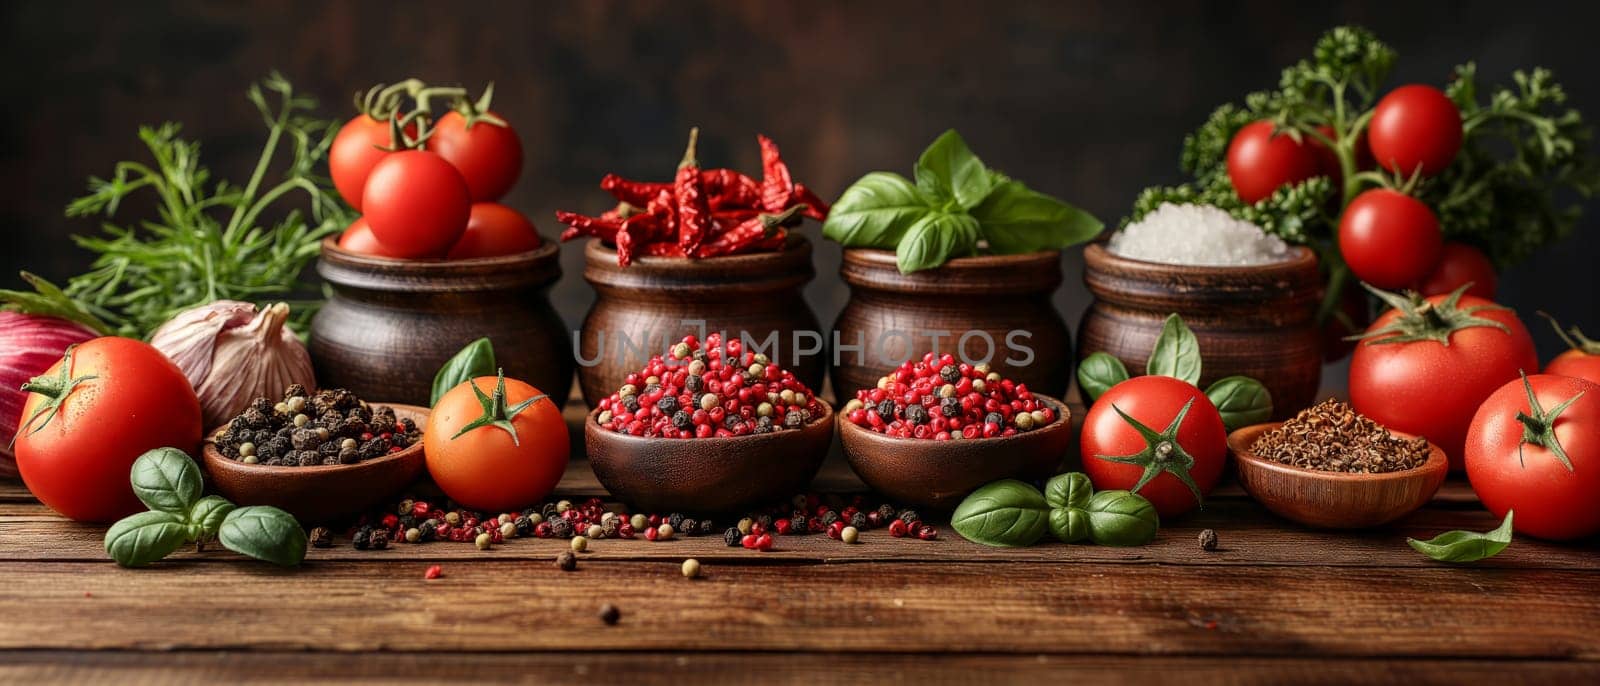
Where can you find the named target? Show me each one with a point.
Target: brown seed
(1208, 540)
(610, 614)
(566, 561)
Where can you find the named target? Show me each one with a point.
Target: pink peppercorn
(433, 572)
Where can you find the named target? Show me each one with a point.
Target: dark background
(1086, 101)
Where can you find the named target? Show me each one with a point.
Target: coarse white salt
(1198, 235)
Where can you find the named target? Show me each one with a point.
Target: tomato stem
(1540, 428)
(495, 411)
(1162, 452)
(55, 389)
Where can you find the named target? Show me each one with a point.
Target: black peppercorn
(667, 404)
(691, 527)
(523, 525)
(427, 530)
(609, 613)
(732, 421)
(732, 537)
(792, 419)
(682, 420)
(994, 418)
(676, 520)
(631, 402)
(1208, 540)
(886, 511)
(560, 528)
(379, 539)
(321, 537)
(950, 373)
(363, 538)
(765, 520)
(908, 516)
(693, 384)
(566, 561)
(549, 511)
(859, 520)
(798, 525)
(886, 409)
(707, 528)
(917, 414)
(829, 517)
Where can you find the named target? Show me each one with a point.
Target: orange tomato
(496, 444)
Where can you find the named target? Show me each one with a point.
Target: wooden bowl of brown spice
(1331, 468)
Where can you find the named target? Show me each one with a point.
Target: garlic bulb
(233, 354)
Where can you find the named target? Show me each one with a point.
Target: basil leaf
(875, 212)
(1121, 518)
(1177, 352)
(947, 170)
(473, 361)
(1466, 546)
(141, 539)
(1016, 219)
(264, 533)
(1069, 524)
(1006, 513)
(167, 480)
(1241, 400)
(206, 517)
(1071, 489)
(1098, 372)
(934, 239)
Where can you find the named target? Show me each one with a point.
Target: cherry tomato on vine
(488, 155)
(1460, 264)
(1389, 239)
(87, 419)
(1426, 365)
(494, 230)
(1413, 127)
(1261, 159)
(496, 444)
(358, 145)
(1160, 431)
(416, 204)
(358, 238)
(1581, 360)
(1534, 448)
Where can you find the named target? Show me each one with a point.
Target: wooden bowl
(323, 493)
(936, 475)
(707, 475)
(1334, 500)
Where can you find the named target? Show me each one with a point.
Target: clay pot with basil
(995, 306)
(1257, 321)
(641, 309)
(389, 324)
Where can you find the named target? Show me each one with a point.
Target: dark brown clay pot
(1334, 500)
(320, 494)
(707, 475)
(1255, 321)
(650, 301)
(390, 324)
(896, 316)
(938, 474)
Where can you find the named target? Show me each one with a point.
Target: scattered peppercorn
(321, 537)
(483, 541)
(566, 561)
(434, 572)
(691, 568)
(610, 614)
(732, 536)
(580, 544)
(849, 534)
(1208, 540)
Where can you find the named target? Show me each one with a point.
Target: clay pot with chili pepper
(389, 324)
(1255, 321)
(993, 308)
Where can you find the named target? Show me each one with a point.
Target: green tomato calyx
(1574, 337)
(55, 389)
(1162, 452)
(1421, 320)
(1540, 428)
(495, 411)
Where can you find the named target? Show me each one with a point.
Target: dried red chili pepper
(748, 233)
(623, 210)
(694, 214)
(660, 249)
(727, 189)
(777, 185)
(815, 207)
(581, 225)
(630, 191)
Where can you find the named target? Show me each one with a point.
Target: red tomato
(1389, 239)
(1581, 361)
(489, 468)
(1415, 126)
(416, 204)
(128, 399)
(1460, 264)
(1427, 388)
(1154, 401)
(488, 155)
(357, 147)
(358, 238)
(495, 230)
(1553, 497)
(1261, 160)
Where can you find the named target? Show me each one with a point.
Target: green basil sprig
(1241, 400)
(956, 207)
(1466, 546)
(1010, 513)
(473, 361)
(1006, 513)
(1121, 518)
(167, 481)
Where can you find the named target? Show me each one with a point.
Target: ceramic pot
(390, 323)
(641, 309)
(995, 306)
(1256, 321)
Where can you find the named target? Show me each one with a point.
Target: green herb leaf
(934, 240)
(1241, 400)
(1121, 518)
(1015, 219)
(143, 538)
(1099, 372)
(875, 212)
(47, 300)
(1006, 513)
(264, 533)
(206, 517)
(1069, 524)
(473, 361)
(948, 170)
(1071, 489)
(1466, 546)
(167, 480)
(1177, 352)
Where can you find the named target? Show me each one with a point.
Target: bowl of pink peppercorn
(708, 427)
(935, 429)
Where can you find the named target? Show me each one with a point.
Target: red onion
(29, 345)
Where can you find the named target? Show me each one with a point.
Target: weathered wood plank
(868, 607)
(712, 669)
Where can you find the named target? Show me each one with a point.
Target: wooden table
(1275, 603)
